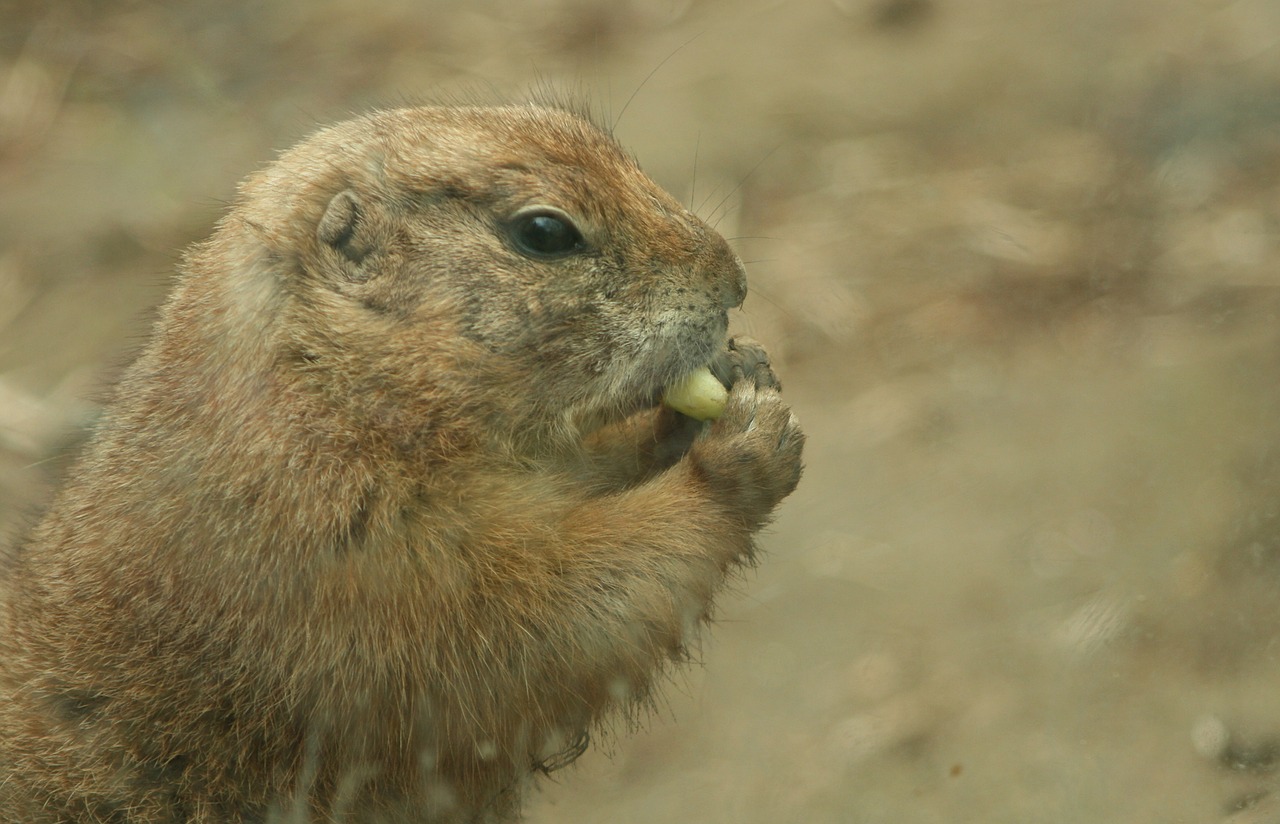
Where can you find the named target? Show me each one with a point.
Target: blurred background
(1017, 261)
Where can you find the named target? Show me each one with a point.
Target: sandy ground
(1018, 262)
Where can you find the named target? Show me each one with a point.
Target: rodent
(385, 517)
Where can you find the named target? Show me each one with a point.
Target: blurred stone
(889, 724)
(1094, 624)
(1210, 737)
(1002, 231)
(875, 676)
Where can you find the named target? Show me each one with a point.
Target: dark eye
(545, 233)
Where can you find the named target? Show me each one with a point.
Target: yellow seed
(699, 396)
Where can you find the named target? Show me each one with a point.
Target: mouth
(679, 386)
(687, 383)
(674, 371)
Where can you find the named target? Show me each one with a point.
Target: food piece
(700, 396)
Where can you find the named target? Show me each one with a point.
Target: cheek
(390, 296)
(497, 322)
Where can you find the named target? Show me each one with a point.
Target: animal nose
(734, 289)
(722, 269)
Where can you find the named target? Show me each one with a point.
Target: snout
(727, 275)
(734, 292)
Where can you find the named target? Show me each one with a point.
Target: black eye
(545, 233)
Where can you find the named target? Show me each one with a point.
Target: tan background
(1018, 262)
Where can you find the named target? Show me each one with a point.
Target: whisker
(741, 183)
(703, 204)
(755, 291)
(649, 76)
(693, 179)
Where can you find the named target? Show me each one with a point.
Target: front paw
(751, 457)
(744, 359)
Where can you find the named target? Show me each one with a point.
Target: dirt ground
(1017, 261)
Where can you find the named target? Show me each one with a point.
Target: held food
(700, 396)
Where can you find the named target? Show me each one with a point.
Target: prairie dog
(385, 516)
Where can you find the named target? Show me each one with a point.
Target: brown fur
(384, 518)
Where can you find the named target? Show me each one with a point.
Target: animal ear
(341, 229)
